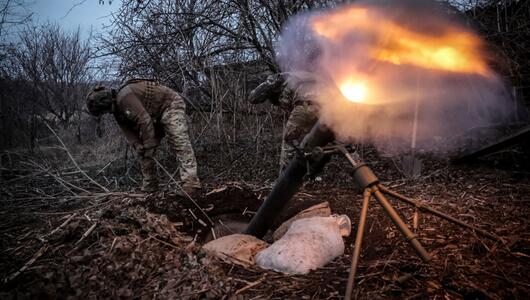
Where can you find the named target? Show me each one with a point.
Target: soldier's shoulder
(126, 96)
(134, 81)
(122, 92)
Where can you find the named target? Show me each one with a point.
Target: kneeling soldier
(146, 111)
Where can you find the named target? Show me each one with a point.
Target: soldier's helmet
(270, 90)
(99, 101)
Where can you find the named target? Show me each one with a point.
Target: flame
(384, 40)
(354, 91)
(393, 73)
(453, 52)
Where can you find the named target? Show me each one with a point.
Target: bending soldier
(146, 111)
(303, 113)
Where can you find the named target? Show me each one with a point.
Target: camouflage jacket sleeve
(134, 114)
(268, 90)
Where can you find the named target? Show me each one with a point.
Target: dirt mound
(122, 256)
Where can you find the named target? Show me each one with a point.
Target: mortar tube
(290, 181)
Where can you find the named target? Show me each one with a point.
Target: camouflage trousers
(300, 122)
(175, 126)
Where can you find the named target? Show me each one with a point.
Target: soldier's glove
(150, 153)
(139, 148)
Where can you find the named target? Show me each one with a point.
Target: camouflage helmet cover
(99, 100)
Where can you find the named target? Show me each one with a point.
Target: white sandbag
(319, 210)
(310, 243)
(236, 248)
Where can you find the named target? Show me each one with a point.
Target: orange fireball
(385, 40)
(354, 91)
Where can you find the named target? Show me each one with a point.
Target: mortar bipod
(366, 179)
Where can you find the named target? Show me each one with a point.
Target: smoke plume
(391, 72)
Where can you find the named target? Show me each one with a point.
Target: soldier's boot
(191, 186)
(150, 177)
(189, 189)
(149, 186)
(190, 182)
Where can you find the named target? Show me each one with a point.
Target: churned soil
(77, 241)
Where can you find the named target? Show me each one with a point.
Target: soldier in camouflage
(146, 111)
(301, 119)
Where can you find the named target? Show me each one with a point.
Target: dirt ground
(69, 239)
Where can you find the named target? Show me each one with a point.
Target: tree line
(211, 51)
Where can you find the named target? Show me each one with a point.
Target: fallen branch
(29, 263)
(60, 226)
(73, 160)
(105, 167)
(64, 183)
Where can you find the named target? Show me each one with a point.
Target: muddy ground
(62, 237)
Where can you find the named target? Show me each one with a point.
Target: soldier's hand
(139, 148)
(149, 152)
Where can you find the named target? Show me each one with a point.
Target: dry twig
(87, 233)
(250, 285)
(29, 263)
(73, 160)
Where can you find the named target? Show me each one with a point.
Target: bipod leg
(358, 243)
(400, 224)
(438, 213)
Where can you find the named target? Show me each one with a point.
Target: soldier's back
(153, 96)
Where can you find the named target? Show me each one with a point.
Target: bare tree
(47, 76)
(222, 48)
(210, 51)
(56, 63)
(179, 41)
(12, 13)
